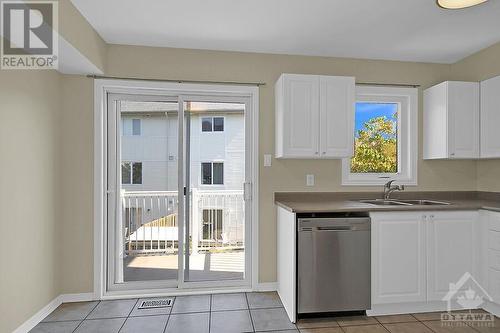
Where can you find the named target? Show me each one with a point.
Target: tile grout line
(430, 328)
(249, 312)
(169, 315)
(383, 326)
(210, 314)
(130, 312)
(88, 314)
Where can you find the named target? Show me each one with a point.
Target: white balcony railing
(149, 221)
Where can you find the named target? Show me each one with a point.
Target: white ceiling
(408, 30)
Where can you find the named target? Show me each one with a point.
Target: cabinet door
(463, 119)
(453, 251)
(494, 285)
(337, 98)
(398, 258)
(300, 116)
(436, 122)
(490, 118)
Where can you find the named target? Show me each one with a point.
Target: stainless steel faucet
(389, 188)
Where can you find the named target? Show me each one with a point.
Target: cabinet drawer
(494, 259)
(494, 240)
(494, 219)
(494, 285)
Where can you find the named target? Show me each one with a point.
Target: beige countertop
(330, 202)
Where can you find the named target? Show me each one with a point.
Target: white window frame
(407, 99)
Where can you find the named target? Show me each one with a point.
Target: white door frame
(103, 87)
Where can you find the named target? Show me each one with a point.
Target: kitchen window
(212, 124)
(132, 173)
(385, 137)
(212, 173)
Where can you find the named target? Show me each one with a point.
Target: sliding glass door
(176, 175)
(144, 194)
(215, 174)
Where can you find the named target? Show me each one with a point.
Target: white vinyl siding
(156, 148)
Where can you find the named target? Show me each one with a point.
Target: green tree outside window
(376, 147)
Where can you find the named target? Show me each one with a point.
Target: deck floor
(203, 267)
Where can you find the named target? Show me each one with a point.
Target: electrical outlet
(309, 180)
(267, 160)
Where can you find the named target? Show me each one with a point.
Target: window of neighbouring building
(212, 124)
(212, 224)
(212, 173)
(132, 173)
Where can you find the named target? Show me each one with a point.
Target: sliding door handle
(247, 191)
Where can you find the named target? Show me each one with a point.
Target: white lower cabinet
(491, 250)
(453, 250)
(416, 255)
(494, 285)
(398, 258)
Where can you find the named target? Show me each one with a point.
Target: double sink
(397, 202)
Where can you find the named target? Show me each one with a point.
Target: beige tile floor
(407, 323)
(231, 313)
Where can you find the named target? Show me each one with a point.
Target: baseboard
(47, 309)
(404, 308)
(83, 297)
(39, 316)
(266, 286)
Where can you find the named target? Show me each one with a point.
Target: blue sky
(366, 111)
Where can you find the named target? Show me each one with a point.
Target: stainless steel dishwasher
(334, 264)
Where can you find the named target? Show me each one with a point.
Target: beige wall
(76, 208)
(480, 66)
(29, 181)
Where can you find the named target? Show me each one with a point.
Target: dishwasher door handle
(335, 228)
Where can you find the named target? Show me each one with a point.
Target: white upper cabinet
(451, 121)
(337, 101)
(297, 116)
(490, 118)
(314, 116)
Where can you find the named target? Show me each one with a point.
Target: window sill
(378, 182)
